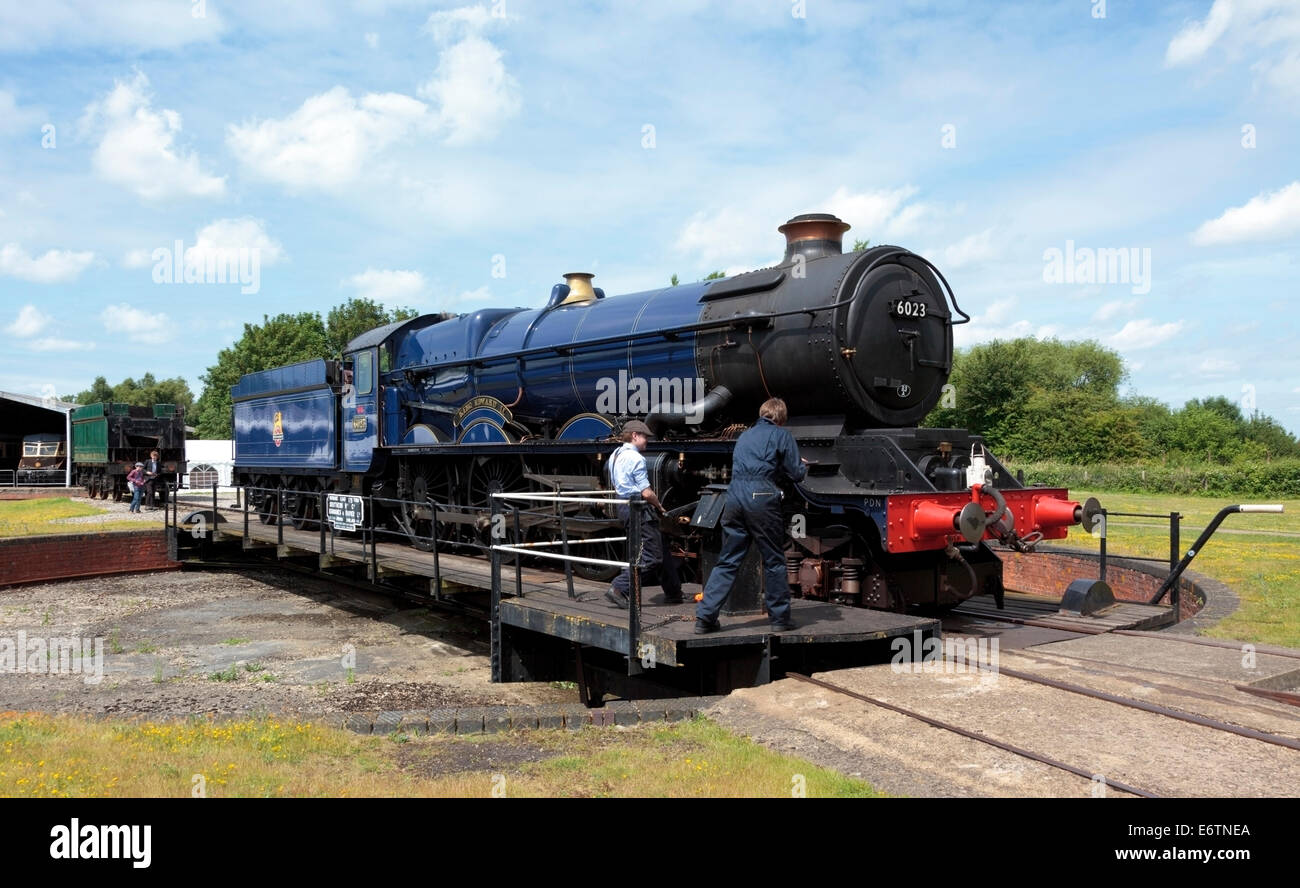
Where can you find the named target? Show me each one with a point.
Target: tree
(991, 381)
(715, 275)
(346, 322)
(99, 392)
(859, 245)
(146, 392)
(673, 281)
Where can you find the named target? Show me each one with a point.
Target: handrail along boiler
(442, 410)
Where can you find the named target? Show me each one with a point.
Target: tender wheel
(300, 507)
(268, 505)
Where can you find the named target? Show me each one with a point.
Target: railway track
(1200, 721)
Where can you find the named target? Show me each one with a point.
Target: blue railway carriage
(436, 413)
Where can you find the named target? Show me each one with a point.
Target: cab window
(365, 378)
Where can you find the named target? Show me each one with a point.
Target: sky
(450, 156)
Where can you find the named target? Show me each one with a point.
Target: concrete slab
(1241, 665)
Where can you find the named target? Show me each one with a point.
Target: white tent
(209, 461)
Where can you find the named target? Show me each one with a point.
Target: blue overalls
(764, 454)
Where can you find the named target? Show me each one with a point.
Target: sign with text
(345, 512)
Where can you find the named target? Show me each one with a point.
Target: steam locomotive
(108, 439)
(436, 413)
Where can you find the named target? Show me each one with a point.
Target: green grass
(65, 755)
(38, 517)
(1261, 566)
(229, 674)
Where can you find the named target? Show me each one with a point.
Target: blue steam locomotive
(436, 413)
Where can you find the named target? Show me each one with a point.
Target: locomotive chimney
(813, 235)
(580, 289)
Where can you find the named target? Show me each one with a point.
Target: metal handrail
(631, 564)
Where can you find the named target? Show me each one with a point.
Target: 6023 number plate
(907, 308)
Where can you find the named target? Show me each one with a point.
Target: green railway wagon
(108, 439)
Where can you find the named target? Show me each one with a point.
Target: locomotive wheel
(433, 490)
(103, 488)
(119, 493)
(488, 475)
(606, 551)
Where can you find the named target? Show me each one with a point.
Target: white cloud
(717, 239)
(137, 259)
(970, 250)
(30, 321)
(733, 236)
(1144, 333)
(333, 137)
(467, 300)
(137, 146)
(449, 24)
(13, 118)
(144, 24)
(220, 242)
(1265, 33)
(875, 213)
(1218, 366)
(388, 287)
(51, 344)
(328, 141)
(55, 267)
(1000, 311)
(1192, 42)
(473, 92)
(1270, 216)
(136, 324)
(1114, 309)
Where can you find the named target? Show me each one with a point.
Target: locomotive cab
(44, 459)
(360, 406)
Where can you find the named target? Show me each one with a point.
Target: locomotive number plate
(907, 308)
(359, 424)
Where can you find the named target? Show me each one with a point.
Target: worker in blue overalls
(627, 472)
(765, 455)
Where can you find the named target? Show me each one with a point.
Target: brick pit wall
(1048, 573)
(74, 556)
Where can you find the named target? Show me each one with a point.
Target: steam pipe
(705, 408)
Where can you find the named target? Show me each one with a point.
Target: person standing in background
(152, 469)
(135, 478)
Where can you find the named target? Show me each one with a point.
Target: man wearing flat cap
(627, 472)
